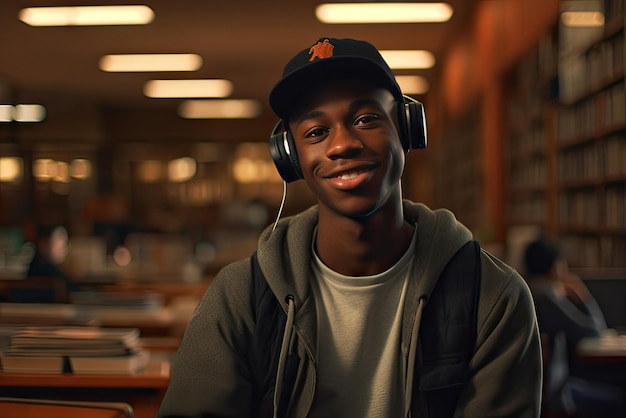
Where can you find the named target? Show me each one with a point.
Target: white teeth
(348, 176)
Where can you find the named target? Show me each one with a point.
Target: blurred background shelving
(565, 138)
(526, 119)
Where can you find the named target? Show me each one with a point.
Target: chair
(37, 408)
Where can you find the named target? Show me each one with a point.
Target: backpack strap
(265, 347)
(448, 332)
(265, 344)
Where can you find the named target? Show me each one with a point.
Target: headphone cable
(282, 205)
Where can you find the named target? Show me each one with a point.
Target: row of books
(532, 209)
(594, 161)
(593, 209)
(531, 173)
(600, 113)
(459, 170)
(530, 140)
(615, 208)
(605, 61)
(529, 135)
(78, 350)
(595, 252)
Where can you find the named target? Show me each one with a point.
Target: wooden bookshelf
(530, 131)
(566, 152)
(459, 170)
(591, 149)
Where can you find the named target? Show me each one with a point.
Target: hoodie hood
(440, 236)
(285, 253)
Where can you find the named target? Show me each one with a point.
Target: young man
(351, 276)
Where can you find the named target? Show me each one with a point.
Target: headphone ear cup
(283, 151)
(414, 129)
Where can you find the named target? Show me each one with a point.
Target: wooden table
(169, 290)
(609, 347)
(143, 391)
(602, 359)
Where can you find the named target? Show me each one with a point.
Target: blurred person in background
(567, 312)
(51, 250)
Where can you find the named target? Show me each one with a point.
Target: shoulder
(502, 290)
(228, 294)
(232, 279)
(224, 314)
(499, 274)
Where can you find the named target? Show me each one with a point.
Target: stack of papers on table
(74, 350)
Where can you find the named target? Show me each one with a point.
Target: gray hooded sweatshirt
(211, 375)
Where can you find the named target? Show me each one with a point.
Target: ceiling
(245, 41)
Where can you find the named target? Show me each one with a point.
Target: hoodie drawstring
(284, 351)
(410, 374)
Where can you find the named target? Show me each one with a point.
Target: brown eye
(316, 132)
(366, 119)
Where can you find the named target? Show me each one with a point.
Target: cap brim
(288, 91)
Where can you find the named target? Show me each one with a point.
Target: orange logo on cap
(321, 50)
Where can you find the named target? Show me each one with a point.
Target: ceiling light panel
(219, 109)
(383, 12)
(22, 113)
(6, 113)
(87, 15)
(29, 113)
(188, 88)
(402, 60)
(412, 84)
(150, 62)
(583, 19)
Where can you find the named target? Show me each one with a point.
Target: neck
(366, 246)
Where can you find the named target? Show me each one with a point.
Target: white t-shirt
(360, 369)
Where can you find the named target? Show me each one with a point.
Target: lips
(352, 174)
(345, 172)
(351, 179)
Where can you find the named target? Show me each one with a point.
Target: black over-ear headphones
(411, 122)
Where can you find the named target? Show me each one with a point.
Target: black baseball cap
(329, 58)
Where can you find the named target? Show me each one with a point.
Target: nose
(343, 143)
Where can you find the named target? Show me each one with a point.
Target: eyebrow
(357, 104)
(308, 116)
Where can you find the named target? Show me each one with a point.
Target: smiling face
(349, 148)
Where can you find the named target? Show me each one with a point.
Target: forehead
(323, 92)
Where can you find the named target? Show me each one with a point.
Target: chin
(361, 211)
